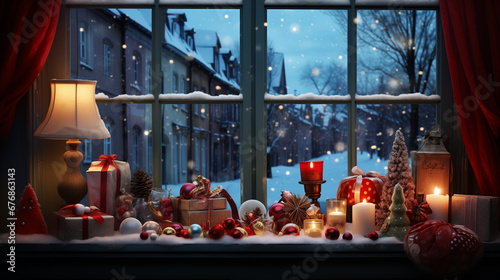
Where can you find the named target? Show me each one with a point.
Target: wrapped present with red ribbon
(198, 204)
(361, 186)
(477, 212)
(70, 223)
(104, 180)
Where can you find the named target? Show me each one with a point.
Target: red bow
(106, 161)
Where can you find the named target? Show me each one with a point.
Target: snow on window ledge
(402, 98)
(306, 98)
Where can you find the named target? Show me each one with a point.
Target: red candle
(311, 170)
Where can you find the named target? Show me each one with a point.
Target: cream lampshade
(72, 115)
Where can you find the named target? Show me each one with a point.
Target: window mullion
(351, 85)
(156, 88)
(253, 112)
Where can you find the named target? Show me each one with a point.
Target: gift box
(104, 180)
(477, 212)
(361, 186)
(188, 217)
(196, 211)
(67, 226)
(198, 204)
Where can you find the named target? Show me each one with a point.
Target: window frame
(252, 15)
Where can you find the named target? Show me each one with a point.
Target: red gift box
(361, 186)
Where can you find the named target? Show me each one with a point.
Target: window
(197, 162)
(175, 83)
(87, 151)
(136, 62)
(106, 61)
(136, 134)
(150, 153)
(107, 142)
(85, 46)
(149, 78)
(336, 125)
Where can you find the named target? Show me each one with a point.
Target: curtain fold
(27, 32)
(472, 37)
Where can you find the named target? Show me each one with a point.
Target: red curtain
(27, 30)
(472, 36)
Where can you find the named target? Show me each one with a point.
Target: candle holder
(313, 190)
(313, 227)
(336, 213)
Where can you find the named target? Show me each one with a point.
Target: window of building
(85, 45)
(136, 140)
(87, 151)
(149, 78)
(107, 142)
(106, 61)
(136, 62)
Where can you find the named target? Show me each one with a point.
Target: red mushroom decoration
(443, 249)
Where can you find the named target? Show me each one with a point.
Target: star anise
(296, 209)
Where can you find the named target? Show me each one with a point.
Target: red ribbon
(68, 211)
(106, 161)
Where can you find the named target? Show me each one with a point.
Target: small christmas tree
(398, 171)
(29, 217)
(397, 224)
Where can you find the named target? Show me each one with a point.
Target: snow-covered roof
(206, 38)
(140, 16)
(277, 64)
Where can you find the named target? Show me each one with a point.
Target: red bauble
(290, 230)
(187, 190)
(276, 210)
(251, 217)
(373, 235)
(185, 234)
(347, 236)
(216, 232)
(249, 230)
(443, 249)
(236, 234)
(144, 235)
(332, 233)
(229, 224)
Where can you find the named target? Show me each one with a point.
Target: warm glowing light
(270, 68)
(81, 29)
(146, 133)
(437, 190)
(420, 73)
(311, 164)
(124, 46)
(373, 147)
(171, 61)
(364, 200)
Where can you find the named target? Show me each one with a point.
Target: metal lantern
(431, 165)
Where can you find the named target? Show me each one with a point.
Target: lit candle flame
(311, 164)
(437, 191)
(364, 200)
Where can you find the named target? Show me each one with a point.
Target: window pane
(100, 52)
(303, 132)
(195, 145)
(130, 129)
(377, 125)
(306, 52)
(396, 52)
(201, 51)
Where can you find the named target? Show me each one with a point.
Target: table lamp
(72, 115)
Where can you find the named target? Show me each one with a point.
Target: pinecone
(141, 184)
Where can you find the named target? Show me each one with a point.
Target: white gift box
(103, 184)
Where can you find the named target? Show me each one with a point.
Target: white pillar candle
(363, 218)
(439, 206)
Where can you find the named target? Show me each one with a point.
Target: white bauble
(79, 209)
(130, 226)
(250, 205)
